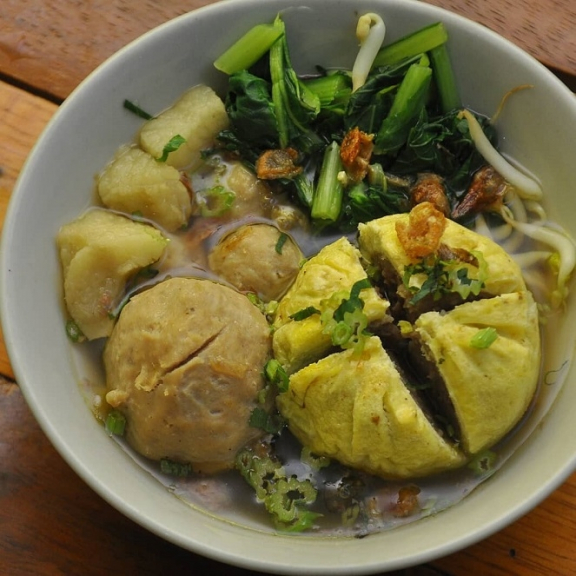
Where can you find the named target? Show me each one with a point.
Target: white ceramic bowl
(538, 129)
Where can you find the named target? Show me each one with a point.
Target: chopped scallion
(173, 144)
(73, 331)
(115, 423)
(280, 243)
(304, 313)
(484, 338)
(215, 201)
(135, 109)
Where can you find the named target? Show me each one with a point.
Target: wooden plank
(47, 45)
(52, 522)
(23, 117)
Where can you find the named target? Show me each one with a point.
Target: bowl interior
(56, 185)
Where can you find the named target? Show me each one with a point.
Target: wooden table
(51, 523)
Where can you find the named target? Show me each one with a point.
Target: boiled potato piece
(490, 388)
(134, 182)
(99, 252)
(379, 243)
(197, 116)
(359, 412)
(335, 268)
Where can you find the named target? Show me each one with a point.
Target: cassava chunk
(360, 412)
(99, 252)
(134, 182)
(197, 116)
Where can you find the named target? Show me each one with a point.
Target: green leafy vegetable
(264, 420)
(407, 107)
(174, 143)
(327, 201)
(484, 338)
(418, 42)
(443, 277)
(248, 49)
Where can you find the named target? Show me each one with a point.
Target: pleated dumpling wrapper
(489, 385)
(336, 268)
(358, 411)
(380, 244)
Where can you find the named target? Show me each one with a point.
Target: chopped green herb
(172, 468)
(280, 243)
(443, 277)
(304, 313)
(73, 331)
(343, 318)
(173, 145)
(134, 108)
(286, 499)
(215, 201)
(315, 462)
(483, 463)
(275, 374)
(115, 423)
(484, 338)
(262, 419)
(267, 308)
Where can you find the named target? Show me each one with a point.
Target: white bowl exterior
(56, 185)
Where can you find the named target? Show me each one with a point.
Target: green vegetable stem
(327, 201)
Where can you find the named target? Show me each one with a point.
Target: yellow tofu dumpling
(359, 412)
(380, 244)
(490, 385)
(337, 267)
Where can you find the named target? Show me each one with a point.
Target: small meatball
(430, 188)
(252, 196)
(184, 364)
(257, 258)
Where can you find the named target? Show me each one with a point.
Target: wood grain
(52, 524)
(51, 45)
(23, 117)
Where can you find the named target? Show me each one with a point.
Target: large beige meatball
(184, 364)
(257, 258)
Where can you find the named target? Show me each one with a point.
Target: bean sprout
(370, 32)
(527, 187)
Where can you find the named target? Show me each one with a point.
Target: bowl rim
(265, 563)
